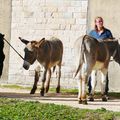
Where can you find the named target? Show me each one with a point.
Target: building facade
(33, 20)
(65, 19)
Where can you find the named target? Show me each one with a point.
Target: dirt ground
(61, 99)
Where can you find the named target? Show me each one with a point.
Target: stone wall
(5, 28)
(34, 19)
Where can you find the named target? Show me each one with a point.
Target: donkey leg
(103, 84)
(36, 79)
(1, 68)
(1, 62)
(59, 75)
(84, 73)
(84, 93)
(48, 81)
(80, 90)
(43, 82)
(93, 85)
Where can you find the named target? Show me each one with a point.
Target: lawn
(12, 109)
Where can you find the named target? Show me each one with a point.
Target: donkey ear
(38, 44)
(24, 41)
(43, 39)
(3, 35)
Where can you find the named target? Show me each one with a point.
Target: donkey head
(31, 51)
(116, 54)
(114, 48)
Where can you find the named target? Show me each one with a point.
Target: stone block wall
(35, 19)
(5, 28)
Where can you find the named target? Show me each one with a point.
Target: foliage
(11, 109)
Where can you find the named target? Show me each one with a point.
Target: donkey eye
(30, 52)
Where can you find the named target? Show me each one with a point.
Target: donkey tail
(81, 56)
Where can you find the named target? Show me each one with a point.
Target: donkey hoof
(42, 92)
(46, 90)
(84, 102)
(32, 92)
(58, 90)
(104, 99)
(79, 101)
(91, 99)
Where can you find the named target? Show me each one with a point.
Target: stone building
(35, 19)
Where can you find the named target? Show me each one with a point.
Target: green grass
(114, 94)
(11, 109)
(63, 90)
(14, 86)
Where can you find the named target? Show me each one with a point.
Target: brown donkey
(49, 54)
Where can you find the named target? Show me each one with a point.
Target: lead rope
(13, 48)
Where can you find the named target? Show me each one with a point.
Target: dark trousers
(106, 87)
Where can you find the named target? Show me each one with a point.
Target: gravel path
(60, 99)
